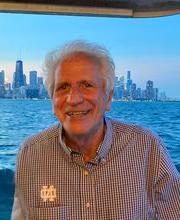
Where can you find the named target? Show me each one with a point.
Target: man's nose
(74, 97)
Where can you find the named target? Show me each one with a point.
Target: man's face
(79, 96)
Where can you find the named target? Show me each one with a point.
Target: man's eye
(86, 85)
(62, 87)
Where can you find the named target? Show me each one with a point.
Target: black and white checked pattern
(131, 178)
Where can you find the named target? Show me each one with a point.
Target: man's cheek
(57, 110)
(57, 99)
(57, 102)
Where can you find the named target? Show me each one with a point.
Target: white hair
(94, 51)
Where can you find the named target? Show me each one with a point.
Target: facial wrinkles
(73, 103)
(85, 101)
(78, 105)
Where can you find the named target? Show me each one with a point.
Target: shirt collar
(103, 149)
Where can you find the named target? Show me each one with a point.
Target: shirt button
(88, 205)
(86, 173)
(103, 160)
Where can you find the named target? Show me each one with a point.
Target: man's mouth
(77, 113)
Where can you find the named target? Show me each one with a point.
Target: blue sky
(150, 48)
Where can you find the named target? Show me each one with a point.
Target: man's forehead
(79, 68)
(77, 63)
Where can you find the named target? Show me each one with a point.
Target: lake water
(22, 118)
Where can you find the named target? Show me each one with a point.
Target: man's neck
(86, 145)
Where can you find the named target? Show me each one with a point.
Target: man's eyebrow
(87, 81)
(61, 83)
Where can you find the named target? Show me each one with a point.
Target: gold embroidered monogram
(48, 194)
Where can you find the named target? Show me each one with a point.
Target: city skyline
(124, 89)
(19, 88)
(147, 47)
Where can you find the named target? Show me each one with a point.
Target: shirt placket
(87, 190)
(88, 201)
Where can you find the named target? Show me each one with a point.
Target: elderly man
(89, 167)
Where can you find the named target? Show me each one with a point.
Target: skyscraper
(129, 82)
(33, 79)
(2, 77)
(18, 77)
(156, 94)
(2, 88)
(149, 90)
(119, 88)
(39, 81)
(133, 91)
(128, 75)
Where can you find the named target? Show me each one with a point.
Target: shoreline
(114, 100)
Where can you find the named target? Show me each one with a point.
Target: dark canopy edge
(84, 10)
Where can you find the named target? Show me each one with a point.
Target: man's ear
(109, 100)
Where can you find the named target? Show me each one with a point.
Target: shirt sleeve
(167, 188)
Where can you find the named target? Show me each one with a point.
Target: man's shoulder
(124, 128)
(41, 138)
(135, 138)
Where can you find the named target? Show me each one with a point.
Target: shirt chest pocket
(47, 213)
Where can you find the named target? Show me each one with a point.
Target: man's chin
(77, 131)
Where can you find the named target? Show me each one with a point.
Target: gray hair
(98, 53)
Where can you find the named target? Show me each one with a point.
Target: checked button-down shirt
(131, 178)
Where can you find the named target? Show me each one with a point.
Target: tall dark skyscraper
(2, 77)
(128, 75)
(33, 79)
(18, 77)
(149, 90)
(2, 88)
(129, 82)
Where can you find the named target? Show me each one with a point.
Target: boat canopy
(117, 8)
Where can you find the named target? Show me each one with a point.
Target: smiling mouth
(77, 113)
